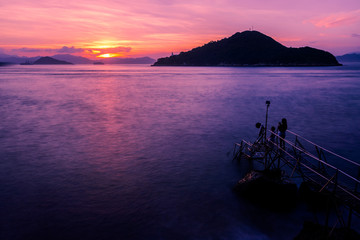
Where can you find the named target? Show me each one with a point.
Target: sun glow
(109, 55)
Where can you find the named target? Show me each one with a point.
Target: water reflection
(141, 152)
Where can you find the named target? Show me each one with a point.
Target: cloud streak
(156, 26)
(338, 19)
(64, 49)
(91, 52)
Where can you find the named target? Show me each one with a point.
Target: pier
(334, 177)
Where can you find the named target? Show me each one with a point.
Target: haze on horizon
(155, 28)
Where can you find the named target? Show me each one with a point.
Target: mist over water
(139, 152)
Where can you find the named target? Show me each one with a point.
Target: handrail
(304, 165)
(317, 159)
(238, 144)
(337, 155)
(302, 150)
(304, 161)
(312, 170)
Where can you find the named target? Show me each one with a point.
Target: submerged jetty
(328, 182)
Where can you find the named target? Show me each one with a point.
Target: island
(49, 60)
(350, 57)
(249, 48)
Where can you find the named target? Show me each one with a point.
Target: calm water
(139, 152)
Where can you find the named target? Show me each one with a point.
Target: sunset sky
(155, 28)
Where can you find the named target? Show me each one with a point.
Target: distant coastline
(350, 57)
(13, 59)
(6, 60)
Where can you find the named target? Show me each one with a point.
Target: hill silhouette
(76, 59)
(50, 60)
(141, 60)
(72, 59)
(249, 48)
(350, 57)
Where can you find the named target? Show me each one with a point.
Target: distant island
(13, 59)
(350, 57)
(249, 48)
(49, 60)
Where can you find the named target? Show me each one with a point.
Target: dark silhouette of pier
(324, 172)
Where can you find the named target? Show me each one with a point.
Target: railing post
(266, 120)
(238, 151)
(319, 156)
(358, 178)
(355, 191)
(336, 180)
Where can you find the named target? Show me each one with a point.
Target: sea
(139, 152)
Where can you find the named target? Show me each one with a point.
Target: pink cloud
(29, 50)
(338, 19)
(71, 50)
(64, 49)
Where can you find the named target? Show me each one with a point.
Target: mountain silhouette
(76, 59)
(72, 59)
(141, 60)
(249, 48)
(350, 57)
(50, 60)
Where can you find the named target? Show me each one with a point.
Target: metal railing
(308, 159)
